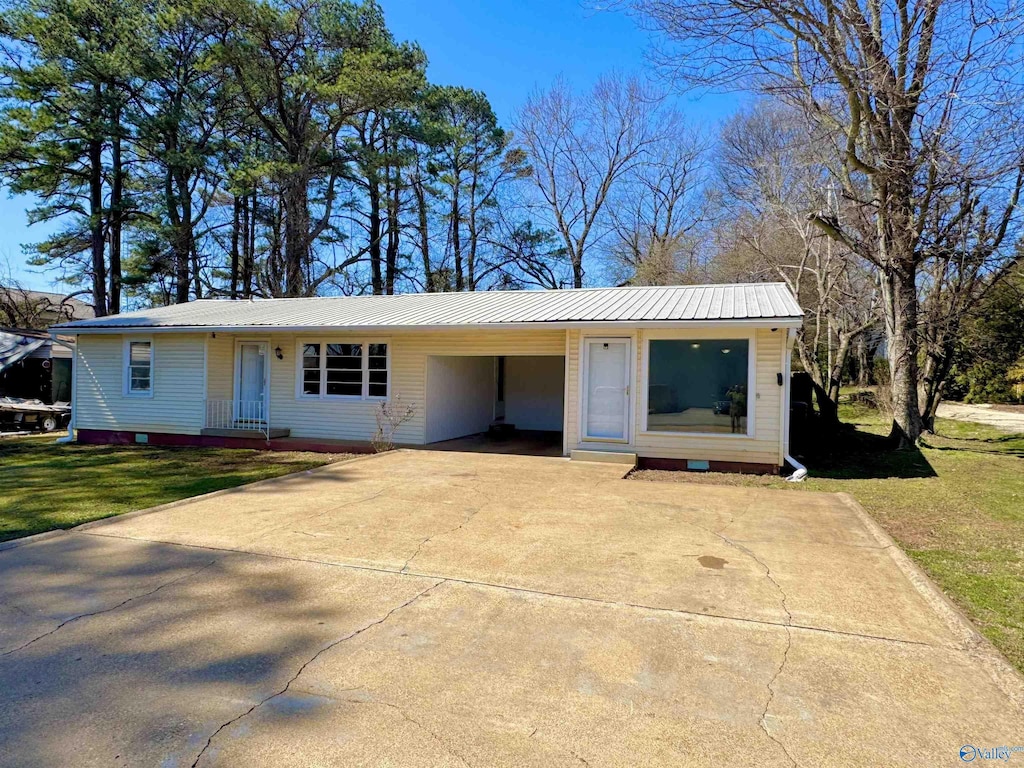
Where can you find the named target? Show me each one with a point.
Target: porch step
(607, 457)
(214, 432)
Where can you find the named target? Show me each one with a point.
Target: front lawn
(45, 486)
(956, 507)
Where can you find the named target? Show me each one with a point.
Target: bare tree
(921, 96)
(34, 310)
(580, 145)
(657, 209)
(772, 174)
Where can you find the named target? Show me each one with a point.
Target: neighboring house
(38, 310)
(34, 365)
(695, 373)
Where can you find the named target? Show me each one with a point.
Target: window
(138, 368)
(343, 369)
(698, 385)
(311, 369)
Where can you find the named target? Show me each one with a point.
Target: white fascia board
(611, 325)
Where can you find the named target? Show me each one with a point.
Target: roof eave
(753, 322)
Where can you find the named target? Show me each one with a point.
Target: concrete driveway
(982, 414)
(446, 609)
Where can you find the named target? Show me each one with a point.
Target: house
(34, 365)
(39, 310)
(689, 375)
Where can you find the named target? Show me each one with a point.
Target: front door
(251, 400)
(606, 389)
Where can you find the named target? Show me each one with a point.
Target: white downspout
(70, 436)
(799, 470)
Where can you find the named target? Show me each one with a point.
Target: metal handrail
(239, 414)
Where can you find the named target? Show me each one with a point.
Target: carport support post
(565, 394)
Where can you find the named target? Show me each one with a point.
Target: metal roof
(15, 346)
(739, 303)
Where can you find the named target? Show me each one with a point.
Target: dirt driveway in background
(455, 609)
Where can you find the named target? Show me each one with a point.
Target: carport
(506, 397)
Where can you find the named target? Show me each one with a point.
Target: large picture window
(343, 369)
(698, 385)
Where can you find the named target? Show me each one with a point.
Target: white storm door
(606, 389)
(250, 405)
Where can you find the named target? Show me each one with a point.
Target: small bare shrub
(390, 414)
(883, 400)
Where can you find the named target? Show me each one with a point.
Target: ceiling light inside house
(726, 351)
(695, 346)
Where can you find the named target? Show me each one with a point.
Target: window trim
(749, 336)
(323, 341)
(126, 366)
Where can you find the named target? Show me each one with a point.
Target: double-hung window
(138, 368)
(334, 369)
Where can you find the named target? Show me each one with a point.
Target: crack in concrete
(763, 720)
(470, 516)
(405, 716)
(107, 610)
(309, 661)
(436, 737)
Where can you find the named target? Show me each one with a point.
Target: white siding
(177, 401)
(533, 392)
(459, 396)
(763, 448)
(354, 419)
(179, 389)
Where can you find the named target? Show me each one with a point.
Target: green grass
(956, 507)
(44, 486)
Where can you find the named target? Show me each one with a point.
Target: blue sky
(504, 49)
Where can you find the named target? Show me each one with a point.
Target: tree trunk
(577, 269)
(295, 199)
(900, 308)
(236, 222)
(97, 244)
(181, 255)
(391, 267)
(116, 218)
(835, 378)
(460, 280)
(249, 252)
(863, 362)
(936, 372)
(374, 246)
(423, 229)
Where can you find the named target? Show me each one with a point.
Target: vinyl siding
(177, 402)
(355, 419)
(763, 448)
(177, 405)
